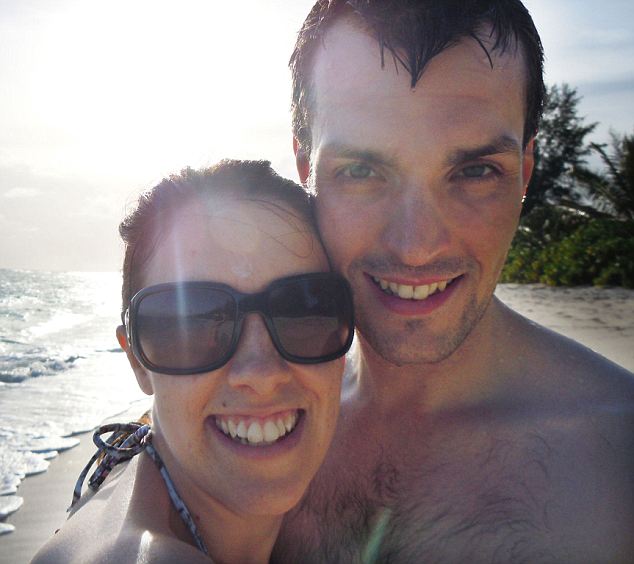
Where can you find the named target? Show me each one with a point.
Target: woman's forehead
(236, 241)
(246, 226)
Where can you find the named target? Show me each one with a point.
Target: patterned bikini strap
(131, 437)
(125, 442)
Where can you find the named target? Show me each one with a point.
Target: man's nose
(417, 230)
(256, 365)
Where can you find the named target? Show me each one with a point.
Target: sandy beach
(46, 497)
(600, 318)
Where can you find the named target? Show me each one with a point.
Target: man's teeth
(257, 433)
(411, 292)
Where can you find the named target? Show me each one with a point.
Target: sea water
(62, 371)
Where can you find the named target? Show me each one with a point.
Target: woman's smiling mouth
(258, 431)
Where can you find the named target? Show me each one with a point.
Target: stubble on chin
(416, 342)
(412, 341)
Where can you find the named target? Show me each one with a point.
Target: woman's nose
(257, 364)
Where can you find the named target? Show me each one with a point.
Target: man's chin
(416, 343)
(400, 352)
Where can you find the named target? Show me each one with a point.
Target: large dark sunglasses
(194, 327)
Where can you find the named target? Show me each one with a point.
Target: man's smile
(412, 292)
(414, 299)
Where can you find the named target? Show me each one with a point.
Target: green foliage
(560, 151)
(577, 225)
(597, 251)
(544, 226)
(548, 224)
(613, 192)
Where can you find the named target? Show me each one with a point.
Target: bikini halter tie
(125, 442)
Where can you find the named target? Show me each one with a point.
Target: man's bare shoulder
(562, 362)
(569, 388)
(581, 407)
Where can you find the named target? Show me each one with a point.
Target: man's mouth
(258, 431)
(407, 292)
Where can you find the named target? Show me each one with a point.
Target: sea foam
(61, 370)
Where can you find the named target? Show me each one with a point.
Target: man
(467, 433)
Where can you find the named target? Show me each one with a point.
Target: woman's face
(246, 245)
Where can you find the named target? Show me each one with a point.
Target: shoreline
(48, 495)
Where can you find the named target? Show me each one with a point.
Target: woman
(236, 326)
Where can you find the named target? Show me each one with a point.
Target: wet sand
(47, 495)
(600, 318)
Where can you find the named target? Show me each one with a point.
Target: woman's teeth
(412, 292)
(260, 432)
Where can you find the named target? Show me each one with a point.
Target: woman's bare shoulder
(97, 517)
(125, 521)
(129, 546)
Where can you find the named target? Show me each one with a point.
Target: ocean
(62, 371)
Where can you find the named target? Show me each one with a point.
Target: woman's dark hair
(415, 31)
(253, 180)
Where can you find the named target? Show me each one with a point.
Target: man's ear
(142, 377)
(302, 161)
(528, 163)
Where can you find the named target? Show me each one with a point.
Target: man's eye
(358, 171)
(477, 171)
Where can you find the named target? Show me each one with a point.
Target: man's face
(419, 191)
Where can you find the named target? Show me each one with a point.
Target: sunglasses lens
(312, 317)
(183, 329)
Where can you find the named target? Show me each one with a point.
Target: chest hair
(482, 502)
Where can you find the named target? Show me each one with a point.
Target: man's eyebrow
(499, 145)
(368, 156)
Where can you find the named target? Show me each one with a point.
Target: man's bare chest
(483, 502)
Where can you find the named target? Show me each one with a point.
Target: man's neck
(467, 377)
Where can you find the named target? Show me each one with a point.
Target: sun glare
(157, 85)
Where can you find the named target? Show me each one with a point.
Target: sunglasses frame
(245, 303)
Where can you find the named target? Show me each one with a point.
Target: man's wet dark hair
(415, 31)
(151, 218)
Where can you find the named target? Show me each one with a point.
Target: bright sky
(99, 100)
